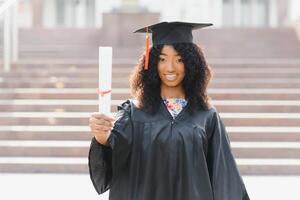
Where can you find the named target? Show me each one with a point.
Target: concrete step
(79, 165)
(83, 152)
(224, 96)
(81, 118)
(93, 95)
(44, 168)
(73, 135)
(124, 93)
(261, 119)
(126, 71)
(244, 91)
(270, 42)
(125, 76)
(51, 108)
(235, 131)
(128, 63)
(60, 84)
(123, 83)
(44, 148)
(50, 135)
(51, 65)
(264, 136)
(115, 102)
(253, 84)
(269, 166)
(265, 108)
(82, 105)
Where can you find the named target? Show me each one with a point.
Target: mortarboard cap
(172, 32)
(169, 33)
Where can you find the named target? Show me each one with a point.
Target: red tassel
(102, 93)
(147, 51)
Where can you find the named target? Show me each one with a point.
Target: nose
(170, 66)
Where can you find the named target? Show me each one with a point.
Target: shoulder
(213, 111)
(212, 116)
(132, 110)
(127, 107)
(128, 103)
(123, 111)
(203, 117)
(209, 113)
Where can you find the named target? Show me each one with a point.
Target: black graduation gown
(156, 157)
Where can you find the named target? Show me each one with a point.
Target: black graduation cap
(172, 32)
(169, 33)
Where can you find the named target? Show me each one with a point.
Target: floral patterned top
(175, 105)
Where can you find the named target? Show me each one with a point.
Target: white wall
(25, 14)
(294, 10)
(171, 10)
(49, 13)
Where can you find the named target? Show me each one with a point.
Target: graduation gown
(156, 157)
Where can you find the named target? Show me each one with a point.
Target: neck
(172, 92)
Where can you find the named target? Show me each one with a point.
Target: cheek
(159, 70)
(182, 71)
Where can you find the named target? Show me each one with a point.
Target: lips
(171, 77)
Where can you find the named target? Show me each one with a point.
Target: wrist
(102, 141)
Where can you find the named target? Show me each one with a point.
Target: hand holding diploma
(102, 122)
(101, 126)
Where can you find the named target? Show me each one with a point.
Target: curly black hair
(145, 84)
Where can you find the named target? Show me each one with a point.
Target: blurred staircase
(45, 105)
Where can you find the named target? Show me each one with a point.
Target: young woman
(168, 143)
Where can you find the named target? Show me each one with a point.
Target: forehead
(168, 50)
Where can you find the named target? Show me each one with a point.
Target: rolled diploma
(105, 76)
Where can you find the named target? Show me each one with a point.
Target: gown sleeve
(100, 166)
(106, 162)
(226, 181)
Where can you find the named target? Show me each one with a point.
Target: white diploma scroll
(105, 76)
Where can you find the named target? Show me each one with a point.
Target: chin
(172, 83)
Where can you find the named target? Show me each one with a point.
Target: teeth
(171, 77)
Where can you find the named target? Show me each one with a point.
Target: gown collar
(165, 112)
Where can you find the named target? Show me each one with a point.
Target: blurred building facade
(223, 13)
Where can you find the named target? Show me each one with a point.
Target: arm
(226, 181)
(100, 166)
(106, 163)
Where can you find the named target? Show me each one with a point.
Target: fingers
(102, 122)
(101, 119)
(100, 128)
(101, 134)
(102, 116)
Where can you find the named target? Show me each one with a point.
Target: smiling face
(171, 71)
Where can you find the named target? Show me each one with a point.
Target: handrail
(10, 36)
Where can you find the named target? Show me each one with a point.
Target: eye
(161, 59)
(180, 60)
